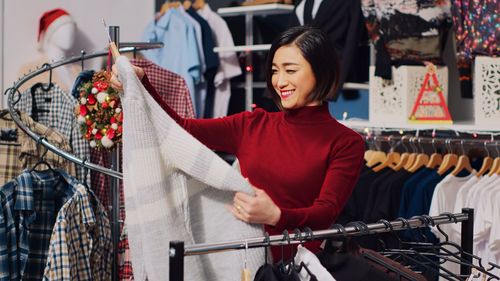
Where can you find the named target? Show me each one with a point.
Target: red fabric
(173, 91)
(304, 159)
(47, 18)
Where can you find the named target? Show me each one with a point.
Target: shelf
(457, 126)
(244, 48)
(258, 10)
(347, 86)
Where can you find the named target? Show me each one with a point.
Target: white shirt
(313, 264)
(443, 200)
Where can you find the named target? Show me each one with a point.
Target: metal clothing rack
(178, 250)
(124, 47)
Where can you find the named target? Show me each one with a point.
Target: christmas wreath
(99, 112)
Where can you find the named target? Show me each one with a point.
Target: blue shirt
(29, 206)
(180, 52)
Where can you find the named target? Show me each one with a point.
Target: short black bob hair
(320, 54)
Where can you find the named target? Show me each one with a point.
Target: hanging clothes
(80, 245)
(342, 23)
(191, 211)
(29, 206)
(55, 109)
(406, 32)
(443, 200)
(23, 152)
(173, 91)
(476, 33)
(229, 65)
(211, 60)
(180, 52)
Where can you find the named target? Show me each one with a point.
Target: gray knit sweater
(176, 189)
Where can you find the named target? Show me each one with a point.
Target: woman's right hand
(115, 83)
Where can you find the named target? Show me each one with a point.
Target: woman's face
(292, 77)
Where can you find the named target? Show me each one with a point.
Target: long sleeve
(223, 134)
(341, 176)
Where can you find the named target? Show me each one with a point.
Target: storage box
(486, 83)
(391, 101)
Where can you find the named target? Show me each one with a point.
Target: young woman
(302, 163)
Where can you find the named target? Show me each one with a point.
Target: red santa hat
(51, 21)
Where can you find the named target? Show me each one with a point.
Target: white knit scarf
(176, 189)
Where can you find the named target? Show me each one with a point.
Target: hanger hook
(375, 143)
(419, 140)
(47, 65)
(82, 59)
(403, 142)
(434, 145)
(448, 146)
(412, 145)
(486, 148)
(462, 146)
(246, 250)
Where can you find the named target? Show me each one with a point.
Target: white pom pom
(94, 91)
(101, 97)
(81, 119)
(114, 126)
(83, 101)
(94, 131)
(118, 110)
(106, 142)
(93, 143)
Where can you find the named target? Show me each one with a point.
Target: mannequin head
(56, 31)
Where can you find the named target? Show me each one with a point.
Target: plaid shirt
(29, 207)
(81, 246)
(60, 116)
(15, 156)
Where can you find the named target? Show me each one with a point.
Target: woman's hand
(258, 209)
(115, 83)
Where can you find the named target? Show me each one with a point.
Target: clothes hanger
(246, 275)
(445, 252)
(421, 160)
(487, 162)
(436, 159)
(49, 85)
(377, 156)
(449, 160)
(41, 159)
(302, 265)
(462, 163)
(198, 4)
(82, 59)
(405, 156)
(413, 155)
(392, 159)
(495, 169)
(187, 4)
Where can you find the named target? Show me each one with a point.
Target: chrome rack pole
(114, 33)
(467, 240)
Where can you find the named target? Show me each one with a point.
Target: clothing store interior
(260, 140)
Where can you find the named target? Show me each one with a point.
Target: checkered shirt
(24, 153)
(81, 246)
(60, 116)
(29, 208)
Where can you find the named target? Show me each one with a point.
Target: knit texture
(176, 189)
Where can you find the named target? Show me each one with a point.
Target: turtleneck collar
(309, 114)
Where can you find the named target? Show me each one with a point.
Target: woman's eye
(291, 71)
(274, 71)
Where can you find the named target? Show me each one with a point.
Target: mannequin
(56, 37)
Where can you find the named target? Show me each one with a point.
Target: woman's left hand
(259, 209)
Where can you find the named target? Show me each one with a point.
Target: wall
(20, 26)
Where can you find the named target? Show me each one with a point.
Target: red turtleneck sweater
(304, 159)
